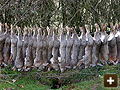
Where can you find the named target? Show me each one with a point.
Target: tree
(59, 12)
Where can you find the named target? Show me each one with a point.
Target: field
(90, 79)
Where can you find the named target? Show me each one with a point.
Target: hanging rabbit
(2, 41)
(56, 43)
(7, 46)
(82, 48)
(104, 45)
(14, 41)
(63, 44)
(118, 44)
(34, 42)
(50, 42)
(68, 46)
(38, 61)
(25, 41)
(19, 57)
(45, 48)
(87, 58)
(29, 55)
(75, 52)
(112, 46)
(96, 46)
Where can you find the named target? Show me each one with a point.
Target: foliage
(59, 12)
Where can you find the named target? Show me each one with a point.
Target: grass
(86, 79)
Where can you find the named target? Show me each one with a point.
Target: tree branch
(4, 4)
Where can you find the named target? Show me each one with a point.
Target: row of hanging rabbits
(41, 51)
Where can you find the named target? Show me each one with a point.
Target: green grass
(86, 79)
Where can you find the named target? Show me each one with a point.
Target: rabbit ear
(97, 27)
(73, 28)
(87, 28)
(12, 26)
(64, 29)
(6, 25)
(101, 26)
(82, 29)
(105, 25)
(12, 29)
(0, 24)
(29, 30)
(48, 29)
(116, 25)
(68, 29)
(54, 30)
(37, 27)
(33, 28)
(25, 28)
(39, 30)
(17, 28)
(111, 25)
(44, 30)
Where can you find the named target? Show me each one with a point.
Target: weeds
(71, 79)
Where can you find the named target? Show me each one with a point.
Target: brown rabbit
(2, 41)
(25, 41)
(7, 46)
(38, 61)
(88, 49)
(29, 56)
(14, 40)
(45, 48)
(50, 42)
(82, 47)
(68, 46)
(63, 44)
(104, 45)
(56, 43)
(96, 46)
(34, 42)
(76, 45)
(112, 46)
(118, 44)
(19, 57)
